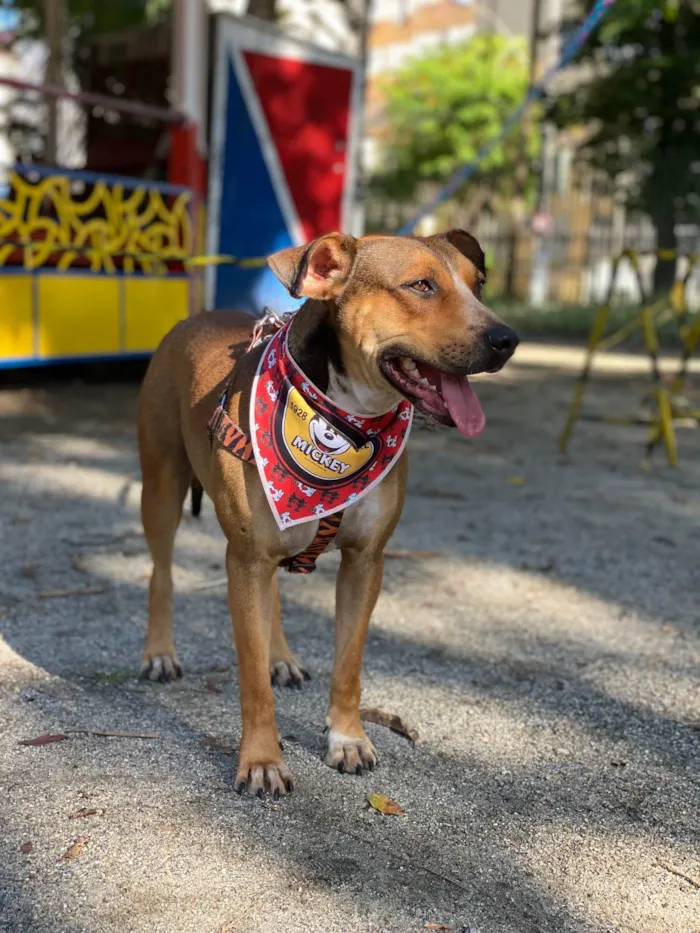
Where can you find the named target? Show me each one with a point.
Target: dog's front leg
(252, 602)
(357, 589)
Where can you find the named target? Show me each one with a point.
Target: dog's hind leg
(166, 478)
(285, 669)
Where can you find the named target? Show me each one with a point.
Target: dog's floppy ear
(318, 270)
(468, 246)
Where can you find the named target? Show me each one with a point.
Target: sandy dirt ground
(546, 653)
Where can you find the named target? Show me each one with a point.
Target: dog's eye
(423, 286)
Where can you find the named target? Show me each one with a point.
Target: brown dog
(388, 318)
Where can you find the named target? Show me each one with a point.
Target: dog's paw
(288, 674)
(350, 755)
(274, 779)
(162, 668)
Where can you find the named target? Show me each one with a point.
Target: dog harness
(237, 442)
(314, 459)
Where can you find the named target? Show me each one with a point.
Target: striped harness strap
(237, 442)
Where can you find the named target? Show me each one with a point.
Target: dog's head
(408, 315)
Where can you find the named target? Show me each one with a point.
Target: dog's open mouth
(449, 399)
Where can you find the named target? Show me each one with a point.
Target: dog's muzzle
(500, 346)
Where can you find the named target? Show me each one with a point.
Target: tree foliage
(84, 19)
(440, 109)
(639, 97)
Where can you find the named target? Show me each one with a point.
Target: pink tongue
(463, 405)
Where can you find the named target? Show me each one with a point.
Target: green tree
(439, 110)
(639, 97)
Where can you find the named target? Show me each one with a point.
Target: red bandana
(314, 458)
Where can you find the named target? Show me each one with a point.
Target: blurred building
(402, 29)
(134, 64)
(23, 114)
(405, 29)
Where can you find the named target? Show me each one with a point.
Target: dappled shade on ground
(538, 628)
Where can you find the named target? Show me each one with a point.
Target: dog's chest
(357, 524)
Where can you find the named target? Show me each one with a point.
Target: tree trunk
(665, 270)
(263, 9)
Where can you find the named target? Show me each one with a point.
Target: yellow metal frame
(662, 427)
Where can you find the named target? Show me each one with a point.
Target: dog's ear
(318, 270)
(468, 246)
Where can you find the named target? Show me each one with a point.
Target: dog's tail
(196, 492)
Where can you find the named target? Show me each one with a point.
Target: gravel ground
(547, 656)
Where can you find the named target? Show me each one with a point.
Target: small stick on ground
(102, 540)
(677, 871)
(72, 591)
(389, 721)
(117, 735)
(394, 554)
(403, 858)
(210, 584)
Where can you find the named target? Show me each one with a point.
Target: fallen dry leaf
(393, 554)
(26, 848)
(390, 721)
(86, 811)
(75, 849)
(385, 805)
(212, 688)
(45, 739)
(438, 926)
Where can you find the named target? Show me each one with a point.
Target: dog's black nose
(502, 339)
